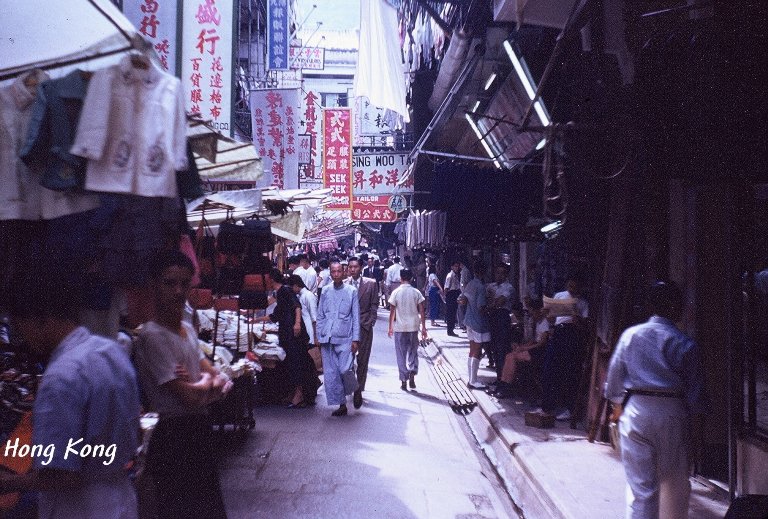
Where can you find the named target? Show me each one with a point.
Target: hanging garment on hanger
(133, 131)
(21, 195)
(55, 115)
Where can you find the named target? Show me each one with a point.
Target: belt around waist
(648, 392)
(654, 392)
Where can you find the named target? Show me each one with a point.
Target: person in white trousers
(656, 385)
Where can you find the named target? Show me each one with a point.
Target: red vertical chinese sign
(206, 68)
(337, 156)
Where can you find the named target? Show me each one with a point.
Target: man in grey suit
(369, 304)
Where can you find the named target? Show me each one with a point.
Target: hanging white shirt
(133, 131)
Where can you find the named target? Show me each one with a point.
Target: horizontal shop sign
(377, 174)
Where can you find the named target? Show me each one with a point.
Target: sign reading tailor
(307, 58)
(206, 66)
(337, 156)
(278, 36)
(156, 21)
(372, 209)
(275, 133)
(378, 174)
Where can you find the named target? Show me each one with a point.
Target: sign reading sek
(337, 156)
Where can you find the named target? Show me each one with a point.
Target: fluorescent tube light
(482, 140)
(490, 81)
(541, 144)
(525, 79)
(551, 227)
(477, 105)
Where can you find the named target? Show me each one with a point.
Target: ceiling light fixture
(490, 80)
(525, 79)
(482, 140)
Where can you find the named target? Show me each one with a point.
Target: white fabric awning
(44, 33)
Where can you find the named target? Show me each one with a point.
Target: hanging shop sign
(274, 115)
(371, 123)
(379, 173)
(306, 58)
(337, 156)
(278, 35)
(397, 203)
(310, 175)
(372, 209)
(304, 149)
(157, 22)
(206, 60)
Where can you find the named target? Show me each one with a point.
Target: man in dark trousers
(369, 303)
(452, 290)
(656, 375)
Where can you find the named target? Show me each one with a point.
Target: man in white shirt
(392, 277)
(308, 303)
(306, 272)
(406, 311)
(452, 290)
(561, 369)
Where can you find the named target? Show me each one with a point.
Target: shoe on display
(357, 399)
(341, 411)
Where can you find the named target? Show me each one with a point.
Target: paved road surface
(403, 455)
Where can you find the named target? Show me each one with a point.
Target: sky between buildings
(335, 14)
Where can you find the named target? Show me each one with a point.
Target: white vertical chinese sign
(275, 117)
(311, 175)
(337, 156)
(206, 54)
(278, 37)
(156, 21)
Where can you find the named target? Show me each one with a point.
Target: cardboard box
(539, 420)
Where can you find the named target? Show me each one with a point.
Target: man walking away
(452, 291)
(656, 373)
(338, 330)
(368, 296)
(406, 311)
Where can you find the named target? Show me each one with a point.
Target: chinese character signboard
(370, 121)
(310, 174)
(378, 174)
(372, 209)
(156, 22)
(278, 36)
(275, 117)
(305, 149)
(307, 58)
(337, 156)
(206, 60)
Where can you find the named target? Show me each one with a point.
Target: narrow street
(402, 455)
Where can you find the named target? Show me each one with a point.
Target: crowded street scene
(397, 259)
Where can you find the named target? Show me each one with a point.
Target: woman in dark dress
(292, 336)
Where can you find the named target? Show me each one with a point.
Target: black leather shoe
(357, 399)
(411, 381)
(403, 386)
(341, 411)
(451, 334)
